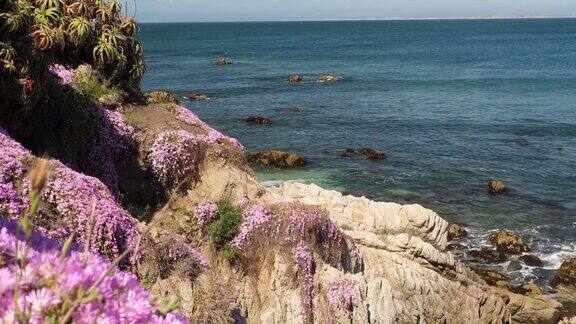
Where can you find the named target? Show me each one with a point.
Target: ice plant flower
(340, 293)
(85, 285)
(64, 75)
(173, 156)
(204, 212)
(306, 265)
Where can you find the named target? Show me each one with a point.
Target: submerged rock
(294, 109)
(508, 242)
(277, 159)
(456, 231)
(372, 154)
(258, 120)
(566, 274)
(531, 260)
(348, 152)
(330, 78)
(295, 78)
(197, 97)
(496, 187)
(222, 61)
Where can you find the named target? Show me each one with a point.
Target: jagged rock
(330, 78)
(277, 159)
(294, 109)
(295, 78)
(404, 268)
(514, 265)
(494, 278)
(258, 120)
(528, 289)
(160, 97)
(456, 231)
(496, 187)
(372, 154)
(508, 242)
(566, 274)
(531, 260)
(222, 61)
(197, 97)
(487, 256)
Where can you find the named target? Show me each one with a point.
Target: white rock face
(407, 277)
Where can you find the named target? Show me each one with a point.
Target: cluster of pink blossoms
(180, 249)
(64, 75)
(213, 136)
(256, 217)
(172, 156)
(48, 285)
(205, 211)
(340, 293)
(306, 264)
(68, 196)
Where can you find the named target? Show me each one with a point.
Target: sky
(272, 10)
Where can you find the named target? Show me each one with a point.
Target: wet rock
(372, 154)
(456, 231)
(508, 242)
(493, 278)
(566, 274)
(258, 120)
(496, 187)
(348, 152)
(330, 78)
(295, 78)
(514, 266)
(160, 97)
(531, 260)
(197, 97)
(294, 109)
(455, 247)
(222, 61)
(486, 256)
(527, 289)
(277, 159)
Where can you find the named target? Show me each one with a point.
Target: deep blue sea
(452, 103)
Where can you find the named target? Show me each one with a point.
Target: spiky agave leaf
(79, 8)
(45, 4)
(113, 35)
(47, 16)
(7, 52)
(128, 26)
(104, 52)
(46, 38)
(79, 29)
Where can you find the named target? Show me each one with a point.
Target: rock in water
(258, 120)
(566, 275)
(496, 187)
(294, 109)
(197, 97)
(508, 242)
(277, 159)
(372, 154)
(531, 260)
(486, 256)
(330, 78)
(348, 152)
(456, 231)
(222, 61)
(295, 78)
(514, 266)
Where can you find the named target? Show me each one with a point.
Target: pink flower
(340, 293)
(204, 212)
(64, 75)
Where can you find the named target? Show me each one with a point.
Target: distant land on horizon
(572, 16)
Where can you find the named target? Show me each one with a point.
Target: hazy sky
(243, 10)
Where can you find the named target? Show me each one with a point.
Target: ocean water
(452, 103)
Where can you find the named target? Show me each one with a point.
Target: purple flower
(205, 211)
(340, 293)
(64, 75)
(173, 156)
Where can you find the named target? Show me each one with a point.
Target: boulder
(295, 78)
(486, 256)
(277, 159)
(330, 78)
(258, 120)
(496, 187)
(566, 274)
(514, 265)
(160, 97)
(456, 231)
(508, 242)
(372, 154)
(222, 61)
(294, 109)
(531, 260)
(197, 97)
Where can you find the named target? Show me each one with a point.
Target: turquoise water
(452, 103)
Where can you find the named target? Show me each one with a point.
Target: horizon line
(573, 16)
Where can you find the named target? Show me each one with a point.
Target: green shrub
(228, 252)
(227, 223)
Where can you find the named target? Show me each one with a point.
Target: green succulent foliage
(37, 33)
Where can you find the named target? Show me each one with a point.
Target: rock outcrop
(496, 187)
(330, 78)
(295, 78)
(277, 159)
(456, 231)
(508, 242)
(566, 275)
(259, 120)
(222, 61)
